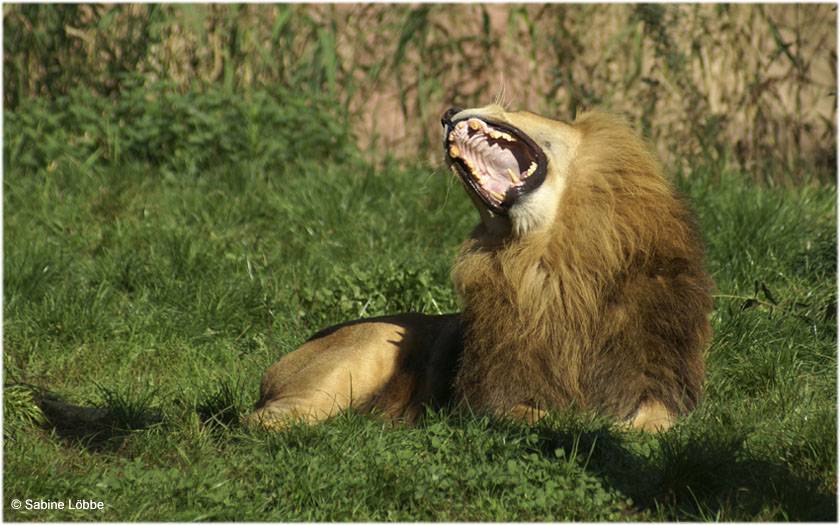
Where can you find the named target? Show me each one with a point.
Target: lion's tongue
(493, 163)
(496, 164)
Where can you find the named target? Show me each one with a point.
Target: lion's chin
(497, 162)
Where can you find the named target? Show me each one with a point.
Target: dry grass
(754, 83)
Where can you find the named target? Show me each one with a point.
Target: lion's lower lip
(496, 161)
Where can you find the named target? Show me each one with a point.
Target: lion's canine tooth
(474, 125)
(454, 152)
(514, 177)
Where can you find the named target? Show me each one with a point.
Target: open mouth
(497, 161)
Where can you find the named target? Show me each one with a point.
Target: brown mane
(605, 308)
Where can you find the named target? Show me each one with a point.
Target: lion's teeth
(514, 177)
(454, 152)
(501, 135)
(475, 125)
(531, 169)
(476, 174)
(452, 136)
(496, 194)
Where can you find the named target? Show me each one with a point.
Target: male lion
(583, 286)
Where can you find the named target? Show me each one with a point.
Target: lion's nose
(448, 114)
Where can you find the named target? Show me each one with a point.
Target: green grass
(160, 278)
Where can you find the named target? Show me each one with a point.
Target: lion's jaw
(515, 179)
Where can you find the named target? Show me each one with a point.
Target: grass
(160, 278)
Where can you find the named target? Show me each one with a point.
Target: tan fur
(395, 365)
(589, 293)
(652, 416)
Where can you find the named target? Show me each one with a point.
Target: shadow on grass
(222, 409)
(695, 475)
(122, 413)
(688, 473)
(99, 427)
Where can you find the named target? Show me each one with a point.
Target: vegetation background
(189, 191)
(754, 84)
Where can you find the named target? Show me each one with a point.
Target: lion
(583, 288)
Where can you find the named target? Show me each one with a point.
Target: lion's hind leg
(349, 365)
